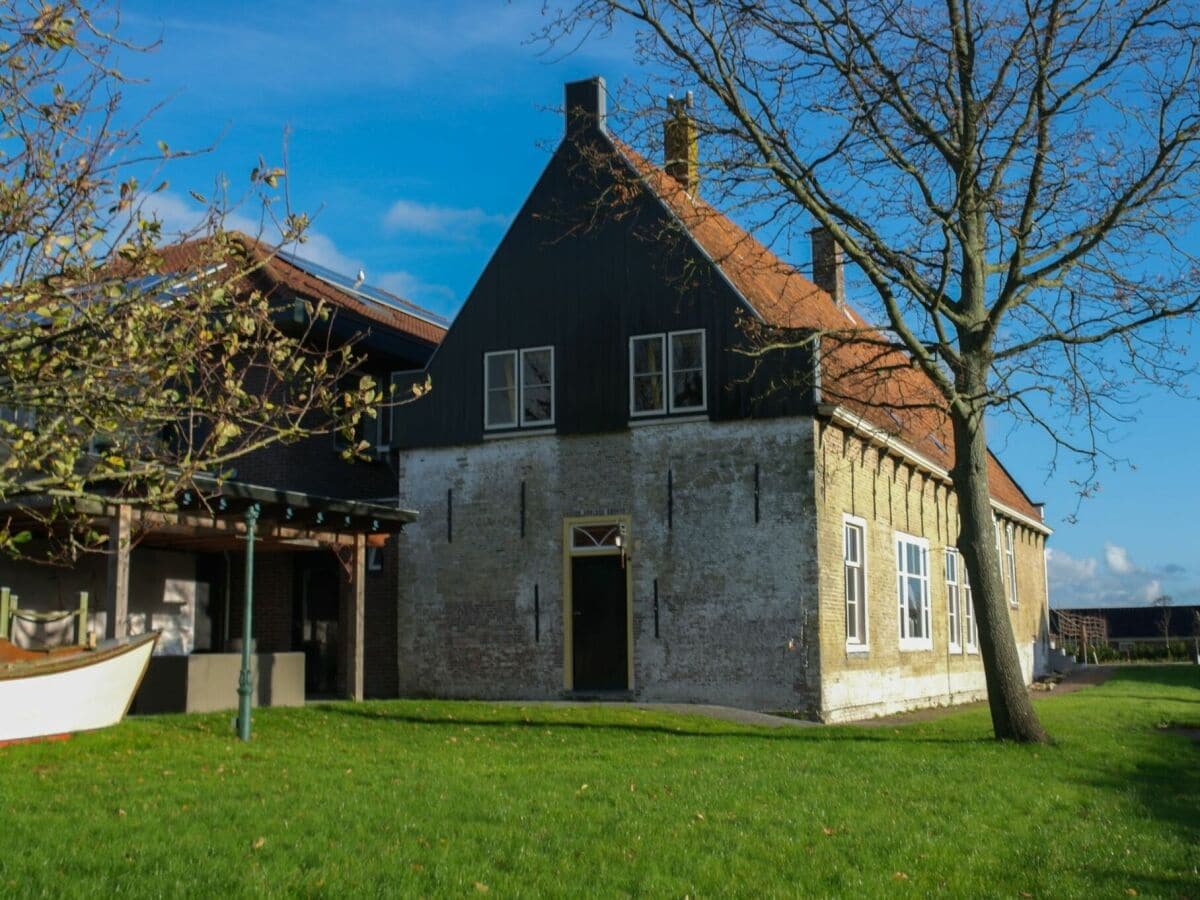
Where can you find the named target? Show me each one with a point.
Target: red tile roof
(277, 272)
(882, 387)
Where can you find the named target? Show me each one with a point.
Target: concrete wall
(732, 592)
(854, 478)
(164, 593)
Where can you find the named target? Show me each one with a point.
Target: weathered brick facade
(856, 478)
(736, 599)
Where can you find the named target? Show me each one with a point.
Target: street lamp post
(245, 682)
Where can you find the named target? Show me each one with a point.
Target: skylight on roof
(365, 291)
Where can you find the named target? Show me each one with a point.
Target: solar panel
(365, 291)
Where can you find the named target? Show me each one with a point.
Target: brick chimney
(586, 104)
(681, 147)
(827, 265)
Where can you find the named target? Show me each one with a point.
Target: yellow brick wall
(891, 495)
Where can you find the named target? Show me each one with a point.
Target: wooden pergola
(219, 516)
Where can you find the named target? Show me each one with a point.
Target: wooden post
(352, 602)
(81, 622)
(117, 602)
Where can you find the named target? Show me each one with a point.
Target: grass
(434, 798)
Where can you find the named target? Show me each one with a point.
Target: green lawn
(432, 798)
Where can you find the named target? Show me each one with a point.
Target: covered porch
(186, 572)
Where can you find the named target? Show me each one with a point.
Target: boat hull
(76, 692)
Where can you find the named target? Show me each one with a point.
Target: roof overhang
(213, 516)
(857, 424)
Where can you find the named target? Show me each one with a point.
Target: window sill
(858, 649)
(913, 645)
(518, 433)
(666, 419)
(956, 649)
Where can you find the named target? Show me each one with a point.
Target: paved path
(1074, 681)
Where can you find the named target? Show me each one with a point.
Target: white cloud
(432, 220)
(1084, 582)
(1117, 559)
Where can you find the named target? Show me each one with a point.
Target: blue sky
(415, 132)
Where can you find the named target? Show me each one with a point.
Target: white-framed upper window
(912, 582)
(667, 373)
(647, 375)
(1010, 565)
(954, 599)
(518, 388)
(537, 386)
(854, 568)
(688, 389)
(500, 389)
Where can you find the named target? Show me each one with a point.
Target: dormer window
(518, 388)
(667, 373)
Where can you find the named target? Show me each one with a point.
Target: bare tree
(121, 375)
(1163, 603)
(1013, 180)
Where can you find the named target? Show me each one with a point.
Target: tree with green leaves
(121, 376)
(1014, 184)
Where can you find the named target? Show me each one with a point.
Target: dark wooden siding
(585, 280)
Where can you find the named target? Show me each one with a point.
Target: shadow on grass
(904, 733)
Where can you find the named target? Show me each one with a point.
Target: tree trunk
(1013, 717)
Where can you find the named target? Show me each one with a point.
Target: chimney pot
(586, 104)
(827, 265)
(680, 144)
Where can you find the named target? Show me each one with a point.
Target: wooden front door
(599, 627)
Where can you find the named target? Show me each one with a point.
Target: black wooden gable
(587, 264)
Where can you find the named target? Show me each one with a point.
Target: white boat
(52, 693)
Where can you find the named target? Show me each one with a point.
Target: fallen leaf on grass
(120, 813)
(899, 876)
(1132, 892)
(481, 887)
(258, 843)
(700, 816)
(827, 831)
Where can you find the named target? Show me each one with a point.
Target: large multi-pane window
(667, 373)
(956, 575)
(1010, 565)
(912, 581)
(518, 388)
(970, 631)
(854, 564)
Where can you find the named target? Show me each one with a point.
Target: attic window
(526, 376)
(668, 373)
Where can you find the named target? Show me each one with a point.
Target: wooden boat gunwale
(65, 662)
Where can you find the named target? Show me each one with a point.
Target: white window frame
(862, 643)
(661, 410)
(954, 594)
(1010, 563)
(667, 344)
(539, 423)
(970, 625)
(907, 641)
(519, 419)
(670, 366)
(487, 389)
